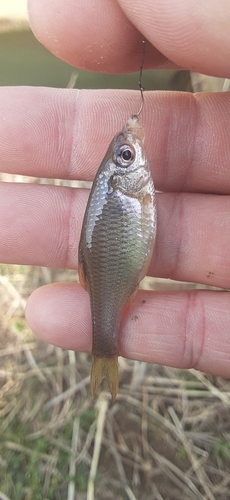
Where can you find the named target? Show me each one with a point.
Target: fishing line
(140, 86)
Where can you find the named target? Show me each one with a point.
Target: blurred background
(167, 436)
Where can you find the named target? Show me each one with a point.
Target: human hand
(64, 134)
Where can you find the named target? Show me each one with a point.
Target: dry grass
(166, 437)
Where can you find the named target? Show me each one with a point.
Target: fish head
(128, 148)
(126, 165)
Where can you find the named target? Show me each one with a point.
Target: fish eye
(125, 155)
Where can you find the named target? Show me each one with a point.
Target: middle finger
(40, 225)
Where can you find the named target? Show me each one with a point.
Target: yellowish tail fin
(104, 368)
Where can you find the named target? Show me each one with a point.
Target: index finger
(65, 133)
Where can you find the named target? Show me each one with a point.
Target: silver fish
(116, 244)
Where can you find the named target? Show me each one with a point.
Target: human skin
(51, 133)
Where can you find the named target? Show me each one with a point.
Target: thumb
(193, 34)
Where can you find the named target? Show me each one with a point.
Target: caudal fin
(104, 368)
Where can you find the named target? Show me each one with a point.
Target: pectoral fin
(81, 276)
(104, 368)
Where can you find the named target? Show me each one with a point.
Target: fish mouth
(135, 127)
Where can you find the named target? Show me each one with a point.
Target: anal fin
(129, 303)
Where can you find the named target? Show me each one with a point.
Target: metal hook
(140, 86)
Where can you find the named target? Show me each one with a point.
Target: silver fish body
(116, 244)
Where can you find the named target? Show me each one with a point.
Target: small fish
(116, 244)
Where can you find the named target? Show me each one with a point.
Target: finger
(193, 238)
(65, 134)
(36, 130)
(103, 36)
(187, 329)
(40, 225)
(193, 34)
(91, 35)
